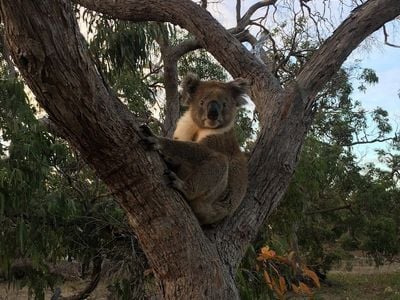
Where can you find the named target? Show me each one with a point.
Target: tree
(188, 261)
(332, 198)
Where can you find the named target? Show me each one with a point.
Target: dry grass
(69, 288)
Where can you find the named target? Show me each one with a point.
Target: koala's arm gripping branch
(184, 151)
(46, 45)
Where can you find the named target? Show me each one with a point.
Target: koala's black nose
(213, 110)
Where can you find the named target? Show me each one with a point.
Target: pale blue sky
(385, 61)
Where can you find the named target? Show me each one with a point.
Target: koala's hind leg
(202, 172)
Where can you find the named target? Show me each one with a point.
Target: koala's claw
(145, 131)
(172, 180)
(148, 137)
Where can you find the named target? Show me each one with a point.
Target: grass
(349, 286)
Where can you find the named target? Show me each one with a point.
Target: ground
(69, 288)
(363, 281)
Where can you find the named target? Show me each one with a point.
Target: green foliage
(124, 52)
(383, 239)
(202, 64)
(52, 206)
(250, 281)
(333, 205)
(367, 76)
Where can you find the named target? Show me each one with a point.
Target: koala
(204, 159)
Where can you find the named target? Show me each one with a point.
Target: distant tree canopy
(59, 200)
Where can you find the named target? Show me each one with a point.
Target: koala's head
(213, 104)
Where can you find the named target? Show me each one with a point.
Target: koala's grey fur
(207, 164)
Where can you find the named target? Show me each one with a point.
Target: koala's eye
(201, 102)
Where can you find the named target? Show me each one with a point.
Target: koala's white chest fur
(188, 130)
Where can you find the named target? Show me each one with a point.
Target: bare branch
(245, 20)
(238, 10)
(326, 210)
(386, 35)
(376, 140)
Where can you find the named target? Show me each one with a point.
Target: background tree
(51, 56)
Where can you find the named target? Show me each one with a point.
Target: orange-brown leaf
(282, 284)
(266, 253)
(277, 289)
(312, 275)
(268, 279)
(295, 288)
(305, 289)
(291, 256)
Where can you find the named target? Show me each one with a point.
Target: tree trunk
(189, 263)
(48, 49)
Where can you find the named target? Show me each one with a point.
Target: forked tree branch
(187, 14)
(386, 36)
(245, 20)
(292, 105)
(235, 58)
(47, 47)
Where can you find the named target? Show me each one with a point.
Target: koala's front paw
(149, 138)
(172, 180)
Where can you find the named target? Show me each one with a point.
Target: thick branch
(170, 55)
(325, 62)
(187, 14)
(284, 113)
(46, 45)
(94, 281)
(277, 150)
(232, 55)
(49, 52)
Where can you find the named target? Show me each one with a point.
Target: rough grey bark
(46, 46)
(170, 56)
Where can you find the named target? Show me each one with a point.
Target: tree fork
(46, 45)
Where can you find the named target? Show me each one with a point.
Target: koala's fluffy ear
(189, 86)
(239, 88)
